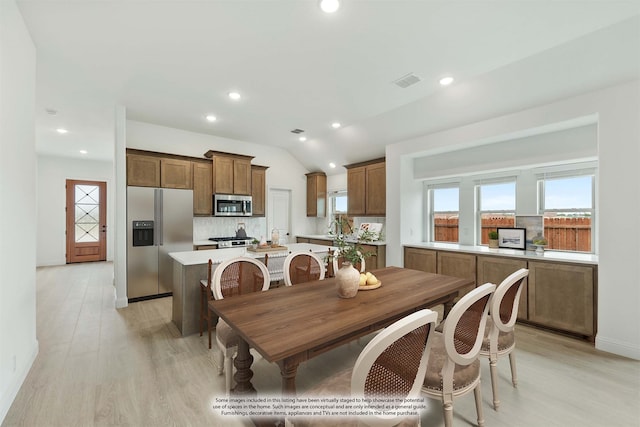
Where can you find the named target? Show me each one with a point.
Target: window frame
(478, 214)
(431, 212)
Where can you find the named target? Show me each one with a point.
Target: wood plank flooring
(100, 366)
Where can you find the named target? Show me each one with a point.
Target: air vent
(407, 80)
(297, 131)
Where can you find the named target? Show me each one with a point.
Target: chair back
(275, 265)
(504, 304)
(338, 260)
(238, 276)
(463, 330)
(300, 267)
(394, 363)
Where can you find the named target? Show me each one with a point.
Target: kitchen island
(191, 266)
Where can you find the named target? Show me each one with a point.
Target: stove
(231, 242)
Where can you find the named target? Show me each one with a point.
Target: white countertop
(202, 257)
(548, 255)
(332, 238)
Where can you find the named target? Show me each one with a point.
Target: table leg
(288, 370)
(448, 305)
(243, 374)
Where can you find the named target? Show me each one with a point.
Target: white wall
(18, 344)
(52, 175)
(618, 111)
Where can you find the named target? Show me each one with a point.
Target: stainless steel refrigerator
(159, 221)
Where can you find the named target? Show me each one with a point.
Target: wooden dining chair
(454, 368)
(499, 336)
(300, 267)
(392, 365)
(236, 276)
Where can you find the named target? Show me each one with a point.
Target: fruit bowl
(369, 287)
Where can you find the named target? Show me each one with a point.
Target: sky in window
(446, 199)
(498, 197)
(341, 203)
(568, 193)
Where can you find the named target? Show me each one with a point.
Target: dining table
(291, 324)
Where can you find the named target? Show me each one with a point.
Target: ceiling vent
(407, 80)
(297, 131)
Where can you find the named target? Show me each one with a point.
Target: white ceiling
(172, 62)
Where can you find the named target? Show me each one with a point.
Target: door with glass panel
(86, 221)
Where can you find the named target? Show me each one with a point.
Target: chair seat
(463, 376)
(506, 340)
(226, 335)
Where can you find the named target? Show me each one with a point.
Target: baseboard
(618, 347)
(14, 387)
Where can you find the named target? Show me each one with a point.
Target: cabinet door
(356, 184)
(302, 240)
(420, 259)
(458, 265)
(376, 195)
(222, 175)
(143, 171)
(241, 177)
(202, 188)
(376, 259)
(312, 190)
(495, 269)
(175, 174)
(258, 178)
(562, 296)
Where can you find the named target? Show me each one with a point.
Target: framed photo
(534, 224)
(512, 238)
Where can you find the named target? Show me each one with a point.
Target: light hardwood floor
(102, 366)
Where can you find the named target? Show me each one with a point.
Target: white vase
(347, 281)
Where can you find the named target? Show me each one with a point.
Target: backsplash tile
(205, 227)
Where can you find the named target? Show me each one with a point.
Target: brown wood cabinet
(458, 265)
(366, 188)
(231, 173)
(421, 259)
(316, 194)
(378, 257)
(175, 173)
(258, 188)
(143, 170)
(494, 270)
(202, 188)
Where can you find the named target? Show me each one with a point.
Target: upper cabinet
(231, 173)
(366, 188)
(258, 187)
(202, 187)
(316, 194)
(149, 169)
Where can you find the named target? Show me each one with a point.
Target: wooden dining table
(289, 325)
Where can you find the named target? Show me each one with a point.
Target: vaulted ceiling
(173, 62)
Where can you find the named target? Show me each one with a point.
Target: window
(496, 208)
(338, 213)
(444, 209)
(568, 206)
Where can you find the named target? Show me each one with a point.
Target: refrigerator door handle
(158, 216)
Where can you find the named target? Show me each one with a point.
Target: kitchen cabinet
(366, 188)
(377, 258)
(143, 170)
(258, 188)
(231, 173)
(494, 270)
(316, 194)
(458, 265)
(562, 296)
(175, 173)
(421, 259)
(202, 188)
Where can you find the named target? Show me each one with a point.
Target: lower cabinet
(458, 265)
(421, 259)
(494, 270)
(377, 257)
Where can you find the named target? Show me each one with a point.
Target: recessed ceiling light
(329, 6)
(234, 95)
(335, 125)
(446, 81)
(61, 130)
(332, 165)
(83, 151)
(302, 138)
(211, 118)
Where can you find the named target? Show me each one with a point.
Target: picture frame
(512, 238)
(534, 224)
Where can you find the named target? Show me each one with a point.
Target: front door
(86, 209)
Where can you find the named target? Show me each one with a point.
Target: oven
(232, 205)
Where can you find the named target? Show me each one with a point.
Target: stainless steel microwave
(232, 205)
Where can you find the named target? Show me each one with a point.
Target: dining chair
(338, 260)
(236, 276)
(392, 365)
(275, 265)
(499, 336)
(302, 267)
(454, 368)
